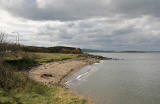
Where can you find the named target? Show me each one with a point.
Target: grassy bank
(25, 91)
(26, 60)
(16, 88)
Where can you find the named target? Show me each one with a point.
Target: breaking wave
(83, 74)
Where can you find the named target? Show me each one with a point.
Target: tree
(3, 44)
(3, 37)
(64, 50)
(77, 51)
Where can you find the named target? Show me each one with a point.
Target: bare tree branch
(3, 37)
(3, 44)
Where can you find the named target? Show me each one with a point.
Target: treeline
(10, 47)
(57, 49)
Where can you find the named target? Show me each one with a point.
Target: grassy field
(39, 56)
(47, 57)
(16, 88)
(26, 60)
(39, 94)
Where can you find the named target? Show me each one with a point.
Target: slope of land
(17, 88)
(50, 69)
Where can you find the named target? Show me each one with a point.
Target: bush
(10, 79)
(22, 64)
(77, 51)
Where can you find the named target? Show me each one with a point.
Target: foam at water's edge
(80, 76)
(83, 73)
(101, 61)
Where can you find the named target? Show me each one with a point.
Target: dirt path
(58, 72)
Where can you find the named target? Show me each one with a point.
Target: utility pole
(17, 37)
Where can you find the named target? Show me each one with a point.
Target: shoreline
(57, 73)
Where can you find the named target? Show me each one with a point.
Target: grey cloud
(134, 8)
(101, 35)
(67, 10)
(52, 9)
(103, 24)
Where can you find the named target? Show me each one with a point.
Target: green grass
(16, 88)
(39, 95)
(47, 57)
(23, 61)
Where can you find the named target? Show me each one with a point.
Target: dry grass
(16, 88)
(25, 60)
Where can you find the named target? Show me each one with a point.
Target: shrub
(77, 51)
(8, 78)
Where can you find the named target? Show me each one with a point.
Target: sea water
(134, 80)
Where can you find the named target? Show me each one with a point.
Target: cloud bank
(102, 24)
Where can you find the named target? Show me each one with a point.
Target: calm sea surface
(135, 80)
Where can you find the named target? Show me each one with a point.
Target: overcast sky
(93, 24)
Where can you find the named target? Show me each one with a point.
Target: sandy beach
(57, 73)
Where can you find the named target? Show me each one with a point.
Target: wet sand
(57, 73)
